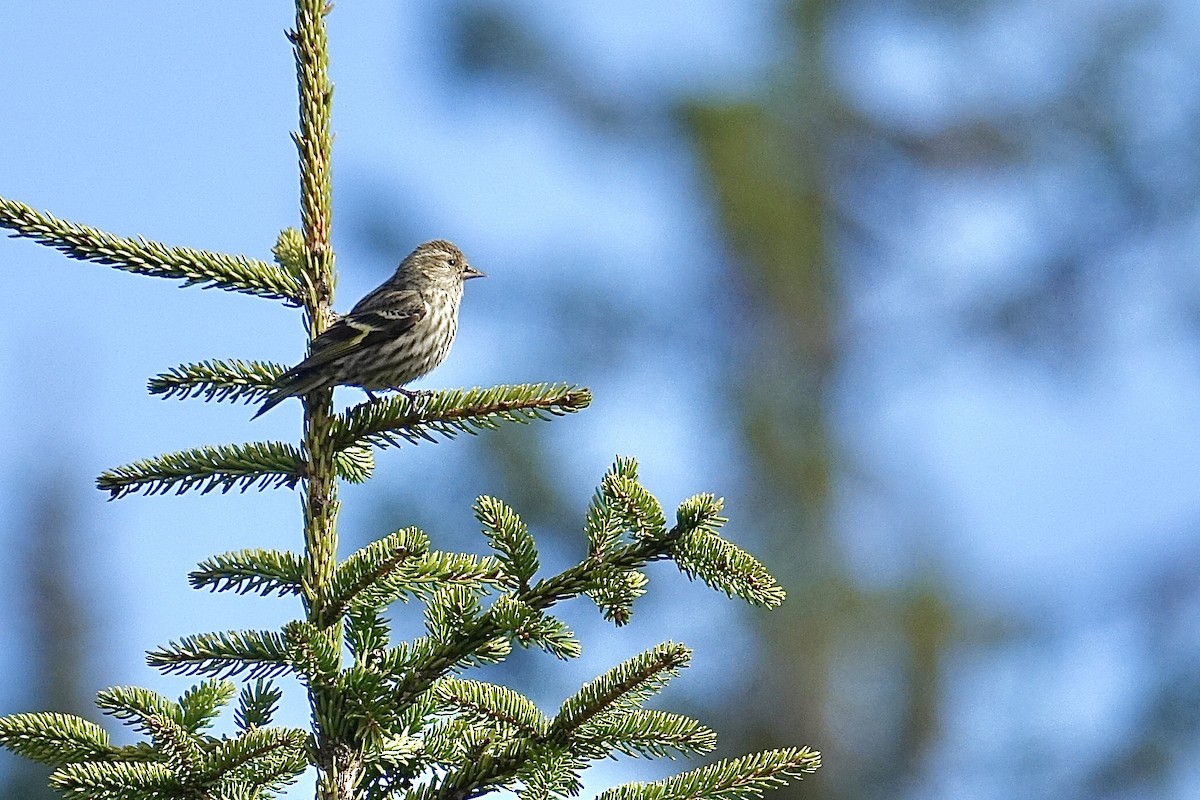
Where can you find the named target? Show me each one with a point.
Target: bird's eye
(452, 261)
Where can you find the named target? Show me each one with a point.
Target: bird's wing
(380, 321)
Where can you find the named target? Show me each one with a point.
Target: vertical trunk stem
(337, 761)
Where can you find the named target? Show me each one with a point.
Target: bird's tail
(290, 386)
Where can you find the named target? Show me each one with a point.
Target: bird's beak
(471, 272)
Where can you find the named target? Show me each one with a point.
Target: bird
(398, 332)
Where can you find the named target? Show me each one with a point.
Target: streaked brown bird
(396, 334)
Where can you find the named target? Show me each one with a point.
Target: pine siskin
(396, 334)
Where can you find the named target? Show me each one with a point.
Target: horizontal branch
(643, 732)
(88, 779)
(262, 571)
(233, 380)
(258, 654)
(729, 779)
(485, 703)
(451, 412)
(54, 739)
(224, 467)
(135, 254)
(267, 465)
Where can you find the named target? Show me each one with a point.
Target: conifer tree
(390, 719)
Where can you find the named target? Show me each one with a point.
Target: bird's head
(441, 262)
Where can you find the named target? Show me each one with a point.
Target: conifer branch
(642, 732)
(628, 684)
(257, 704)
(469, 639)
(551, 773)
(615, 592)
(265, 465)
(135, 254)
(509, 537)
(150, 713)
(622, 499)
(639, 510)
(601, 526)
(451, 612)
(313, 653)
(491, 770)
(516, 740)
(725, 566)
(355, 464)
(232, 380)
(529, 626)
(181, 750)
(730, 779)
(203, 702)
(263, 759)
(373, 563)
(257, 654)
(488, 703)
(137, 707)
(453, 411)
(91, 780)
(400, 565)
(258, 758)
(262, 571)
(224, 467)
(54, 739)
(367, 633)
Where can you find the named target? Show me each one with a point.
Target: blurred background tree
(1026, 187)
(55, 628)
